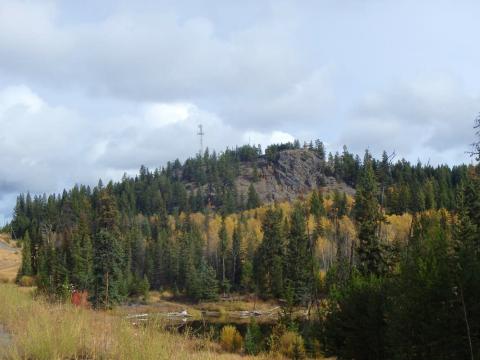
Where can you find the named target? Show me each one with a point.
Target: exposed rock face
(295, 173)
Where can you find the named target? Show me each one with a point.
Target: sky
(94, 89)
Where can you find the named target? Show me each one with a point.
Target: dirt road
(10, 258)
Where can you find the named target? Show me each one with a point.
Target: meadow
(36, 329)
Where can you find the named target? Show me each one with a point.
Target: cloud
(46, 148)
(415, 118)
(93, 89)
(39, 144)
(160, 115)
(265, 139)
(254, 75)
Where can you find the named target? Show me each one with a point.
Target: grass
(41, 330)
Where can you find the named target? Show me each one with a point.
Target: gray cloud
(433, 113)
(45, 148)
(92, 89)
(259, 72)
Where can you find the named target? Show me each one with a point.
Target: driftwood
(254, 313)
(137, 316)
(183, 314)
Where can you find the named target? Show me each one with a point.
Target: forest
(392, 272)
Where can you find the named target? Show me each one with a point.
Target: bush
(253, 338)
(230, 339)
(291, 345)
(355, 325)
(26, 281)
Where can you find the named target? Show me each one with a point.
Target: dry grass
(41, 330)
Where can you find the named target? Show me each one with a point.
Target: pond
(212, 326)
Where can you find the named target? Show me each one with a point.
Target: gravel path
(7, 247)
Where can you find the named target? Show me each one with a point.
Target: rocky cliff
(293, 174)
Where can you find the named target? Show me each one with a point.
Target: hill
(199, 231)
(294, 173)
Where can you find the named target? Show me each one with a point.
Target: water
(211, 327)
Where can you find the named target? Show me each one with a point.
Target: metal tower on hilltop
(201, 133)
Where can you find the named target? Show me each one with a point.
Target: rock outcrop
(295, 173)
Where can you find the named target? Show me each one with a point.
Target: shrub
(291, 345)
(253, 338)
(26, 281)
(230, 339)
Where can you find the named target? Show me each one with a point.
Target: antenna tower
(201, 133)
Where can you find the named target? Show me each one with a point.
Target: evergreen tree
(270, 256)
(222, 253)
(317, 206)
(425, 320)
(298, 258)
(26, 266)
(320, 149)
(107, 269)
(209, 282)
(82, 253)
(253, 200)
(236, 259)
(355, 326)
(253, 338)
(202, 283)
(108, 254)
(368, 217)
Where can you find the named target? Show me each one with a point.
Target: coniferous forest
(390, 272)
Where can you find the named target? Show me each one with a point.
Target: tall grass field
(35, 329)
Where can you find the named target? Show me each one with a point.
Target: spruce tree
(26, 267)
(82, 255)
(368, 218)
(298, 258)
(317, 206)
(222, 253)
(236, 252)
(253, 338)
(270, 256)
(108, 253)
(253, 200)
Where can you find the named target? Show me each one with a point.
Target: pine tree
(298, 259)
(222, 253)
(320, 149)
(107, 269)
(317, 206)
(82, 257)
(467, 269)
(26, 267)
(253, 200)
(270, 256)
(108, 254)
(236, 252)
(253, 338)
(209, 282)
(368, 217)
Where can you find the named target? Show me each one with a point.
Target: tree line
(378, 294)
